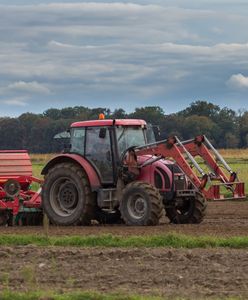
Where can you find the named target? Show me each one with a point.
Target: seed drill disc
(12, 188)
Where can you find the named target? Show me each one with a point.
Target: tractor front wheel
(141, 204)
(66, 195)
(190, 210)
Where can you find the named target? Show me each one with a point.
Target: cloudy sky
(122, 54)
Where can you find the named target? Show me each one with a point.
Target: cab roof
(109, 122)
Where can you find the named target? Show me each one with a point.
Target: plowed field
(194, 274)
(223, 219)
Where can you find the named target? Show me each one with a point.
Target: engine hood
(159, 163)
(157, 173)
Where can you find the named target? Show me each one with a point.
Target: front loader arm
(169, 149)
(184, 154)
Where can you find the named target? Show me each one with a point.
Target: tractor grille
(179, 178)
(179, 181)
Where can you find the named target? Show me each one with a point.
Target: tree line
(34, 132)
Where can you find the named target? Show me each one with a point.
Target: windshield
(130, 136)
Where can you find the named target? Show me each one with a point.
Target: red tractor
(114, 171)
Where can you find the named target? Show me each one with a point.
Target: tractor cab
(102, 143)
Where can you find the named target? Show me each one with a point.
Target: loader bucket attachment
(222, 186)
(214, 182)
(236, 189)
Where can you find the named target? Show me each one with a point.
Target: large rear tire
(66, 195)
(190, 210)
(141, 204)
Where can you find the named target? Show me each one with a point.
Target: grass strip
(70, 296)
(90, 296)
(173, 240)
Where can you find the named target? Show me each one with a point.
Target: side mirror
(67, 148)
(156, 130)
(63, 141)
(63, 135)
(153, 133)
(102, 133)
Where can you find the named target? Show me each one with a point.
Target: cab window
(98, 151)
(77, 140)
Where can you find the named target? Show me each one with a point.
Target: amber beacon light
(101, 117)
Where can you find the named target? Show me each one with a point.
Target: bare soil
(222, 219)
(194, 274)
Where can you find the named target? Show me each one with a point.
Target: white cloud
(65, 51)
(238, 81)
(28, 87)
(16, 101)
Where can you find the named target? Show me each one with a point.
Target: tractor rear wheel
(190, 210)
(141, 204)
(66, 195)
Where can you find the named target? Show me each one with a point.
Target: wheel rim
(64, 197)
(137, 206)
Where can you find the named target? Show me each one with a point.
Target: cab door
(98, 151)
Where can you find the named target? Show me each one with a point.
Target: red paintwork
(13, 205)
(202, 151)
(109, 122)
(89, 170)
(214, 192)
(33, 200)
(147, 174)
(169, 149)
(13, 151)
(16, 164)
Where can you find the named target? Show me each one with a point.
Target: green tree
(52, 113)
(11, 134)
(151, 114)
(231, 140)
(201, 108)
(227, 122)
(198, 125)
(119, 114)
(172, 125)
(243, 127)
(27, 122)
(95, 112)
